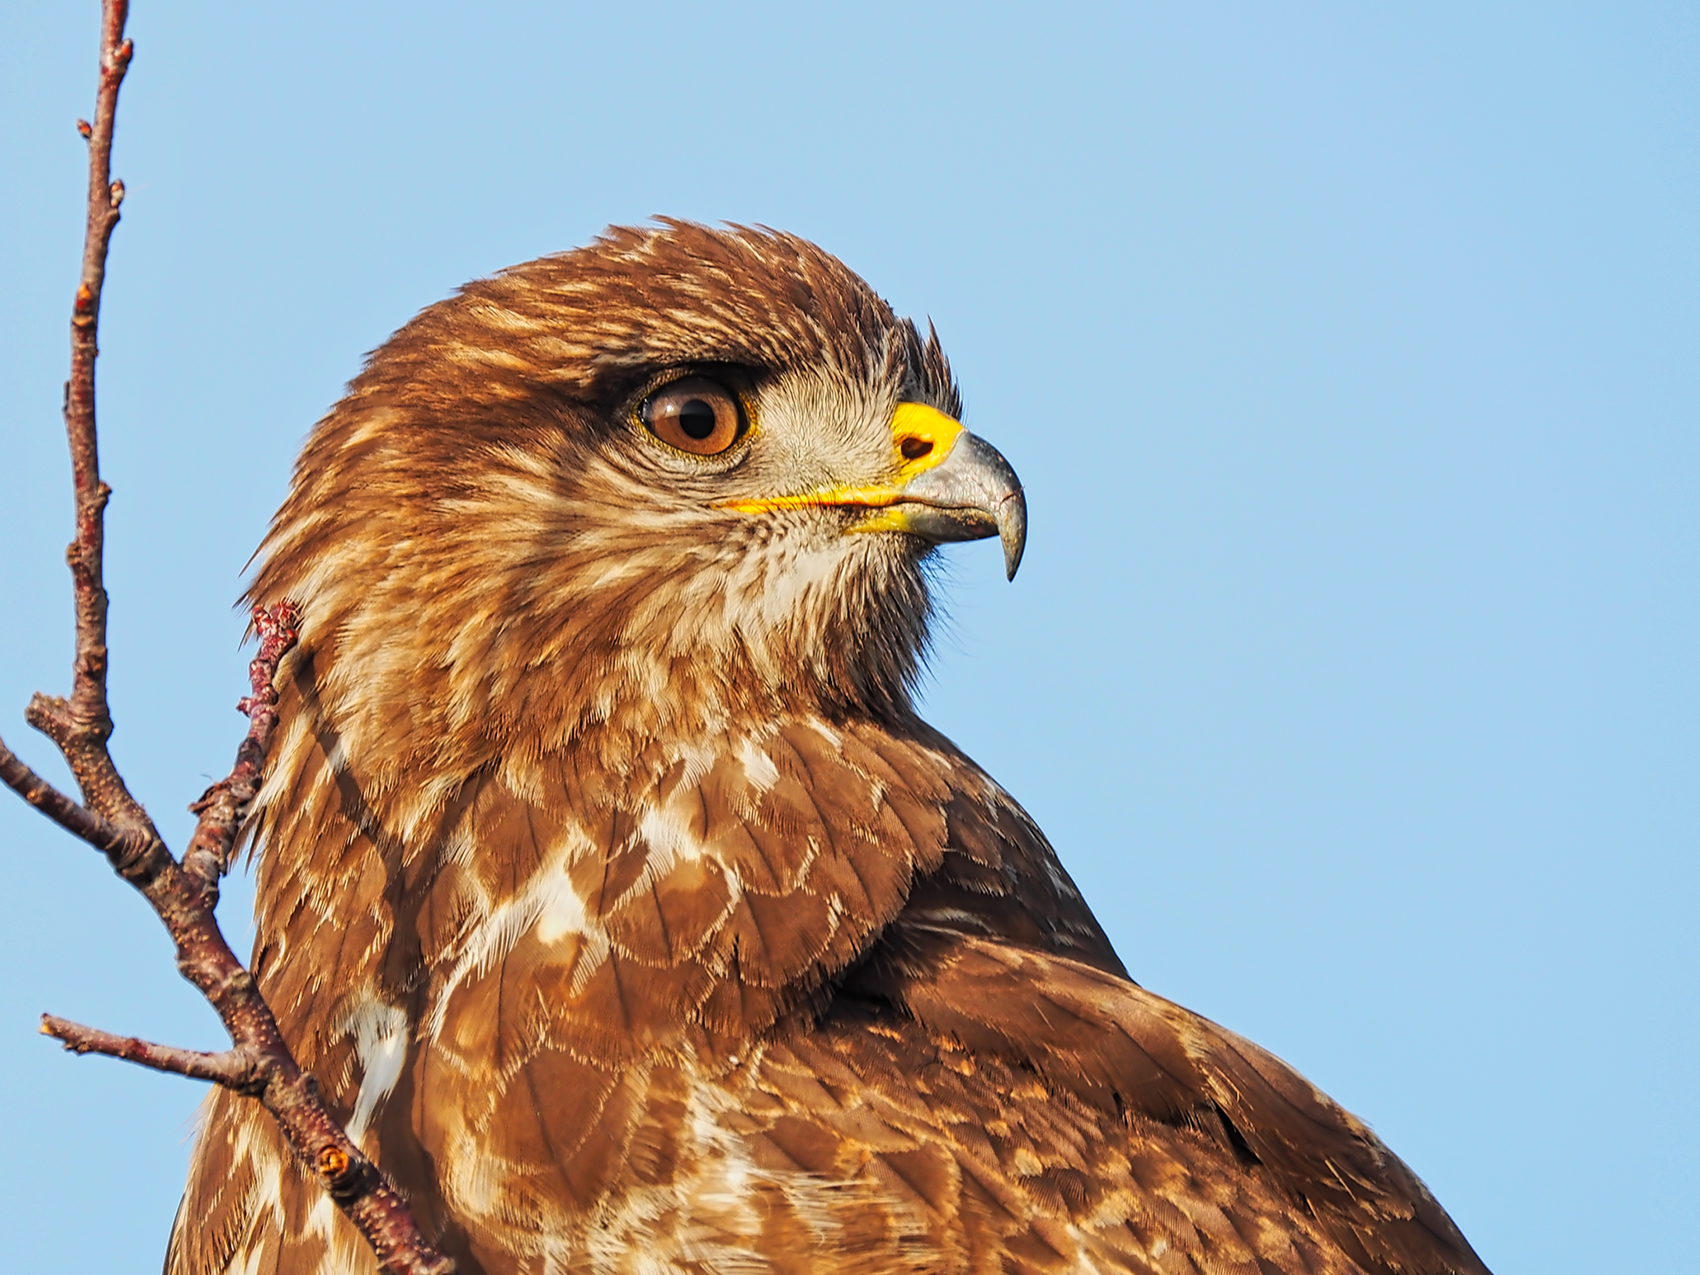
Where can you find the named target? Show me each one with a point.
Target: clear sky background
(1349, 355)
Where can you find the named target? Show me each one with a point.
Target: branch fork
(184, 894)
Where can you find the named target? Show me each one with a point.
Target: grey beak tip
(969, 495)
(1012, 530)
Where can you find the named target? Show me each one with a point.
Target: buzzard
(630, 916)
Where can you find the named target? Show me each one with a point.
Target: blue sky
(1348, 352)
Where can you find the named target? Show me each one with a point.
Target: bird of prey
(608, 881)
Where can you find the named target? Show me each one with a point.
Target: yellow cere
(921, 437)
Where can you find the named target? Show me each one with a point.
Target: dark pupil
(696, 418)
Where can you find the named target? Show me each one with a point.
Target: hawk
(609, 882)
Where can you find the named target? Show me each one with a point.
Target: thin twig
(82, 724)
(184, 895)
(228, 1068)
(260, 1060)
(220, 807)
(77, 820)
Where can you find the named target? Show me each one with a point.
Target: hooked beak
(950, 485)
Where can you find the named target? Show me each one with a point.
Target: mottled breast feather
(620, 901)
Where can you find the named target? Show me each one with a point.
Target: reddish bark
(184, 895)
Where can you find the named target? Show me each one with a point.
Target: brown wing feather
(1124, 1050)
(612, 1040)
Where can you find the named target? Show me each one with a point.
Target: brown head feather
(485, 551)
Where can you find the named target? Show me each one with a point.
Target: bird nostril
(915, 448)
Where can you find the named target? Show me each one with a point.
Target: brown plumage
(614, 891)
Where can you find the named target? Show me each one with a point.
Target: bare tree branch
(77, 820)
(184, 895)
(228, 1068)
(221, 806)
(82, 724)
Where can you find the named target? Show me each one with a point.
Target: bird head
(676, 476)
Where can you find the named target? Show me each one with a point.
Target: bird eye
(695, 415)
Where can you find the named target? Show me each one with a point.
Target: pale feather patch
(336, 756)
(414, 806)
(266, 1195)
(699, 759)
(832, 737)
(475, 1179)
(796, 583)
(380, 1044)
(614, 572)
(482, 356)
(670, 841)
(549, 902)
(563, 910)
(759, 769)
(648, 676)
(521, 775)
(341, 1257)
(508, 320)
(373, 423)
